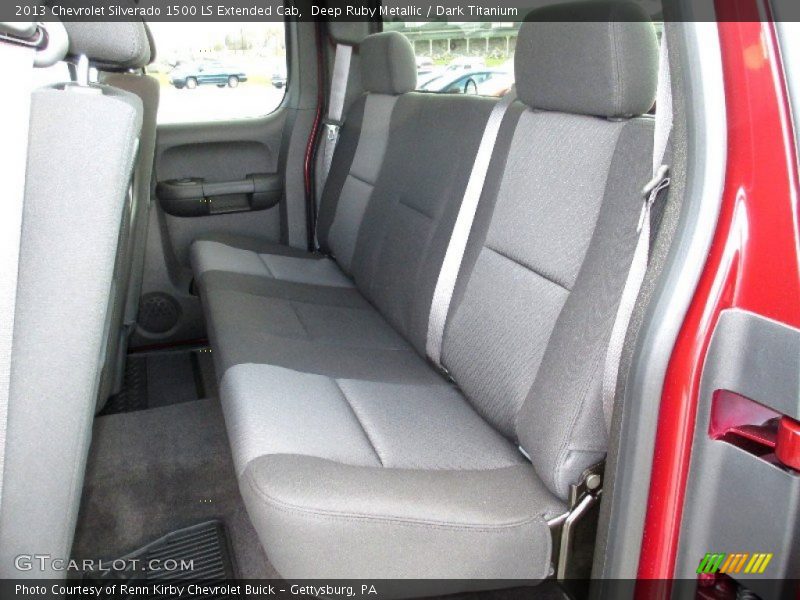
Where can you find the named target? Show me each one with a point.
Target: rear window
(462, 58)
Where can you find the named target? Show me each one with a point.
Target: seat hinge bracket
(583, 496)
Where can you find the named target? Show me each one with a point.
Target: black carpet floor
(157, 470)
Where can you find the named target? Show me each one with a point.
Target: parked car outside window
(462, 57)
(425, 65)
(190, 75)
(488, 82)
(279, 79)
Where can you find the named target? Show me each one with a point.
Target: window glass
(218, 71)
(462, 58)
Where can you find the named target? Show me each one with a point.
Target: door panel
(214, 152)
(266, 151)
(740, 499)
(217, 158)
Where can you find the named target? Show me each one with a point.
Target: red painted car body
(753, 264)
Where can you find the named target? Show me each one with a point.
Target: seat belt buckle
(650, 191)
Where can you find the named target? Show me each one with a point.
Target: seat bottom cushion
(330, 331)
(265, 259)
(253, 244)
(322, 519)
(349, 478)
(274, 410)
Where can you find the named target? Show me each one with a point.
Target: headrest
(348, 32)
(110, 45)
(388, 64)
(151, 42)
(595, 58)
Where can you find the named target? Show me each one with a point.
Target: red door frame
(753, 264)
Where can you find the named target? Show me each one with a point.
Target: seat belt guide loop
(332, 128)
(651, 191)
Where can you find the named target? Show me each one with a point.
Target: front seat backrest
(92, 39)
(132, 255)
(82, 143)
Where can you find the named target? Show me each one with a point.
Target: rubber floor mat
(161, 378)
(133, 395)
(200, 552)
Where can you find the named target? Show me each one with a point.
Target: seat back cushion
(359, 183)
(548, 255)
(78, 170)
(553, 183)
(388, 69)
(407, 226)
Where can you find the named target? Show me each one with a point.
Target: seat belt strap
(338, 92)
(18, 66)
(446, 283)
(641, 255)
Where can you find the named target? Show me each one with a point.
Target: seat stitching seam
(266, 266)
(268, 297)
(564, 449)
(358, 420)
(401, 202)
(617, 76)
(528, 268)
(361, 179)
(390, 519)
(299, 319)
(365, 308)
(334, 344)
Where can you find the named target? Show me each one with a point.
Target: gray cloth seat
(253, 244)
(369, 329)
(351, 470)
(349, 338)
(85, 37)
(209, 256)
(80, 158)
(353, 173)
(385, 471)
(375, 327)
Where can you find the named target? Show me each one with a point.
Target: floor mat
(154, 471)
(198, 552)
(161, 378)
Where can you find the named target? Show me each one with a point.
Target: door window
(218, 71)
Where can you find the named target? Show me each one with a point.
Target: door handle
(194, 196)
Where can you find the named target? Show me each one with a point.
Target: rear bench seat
(358, 458)
(354, 170)
(334, 329)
